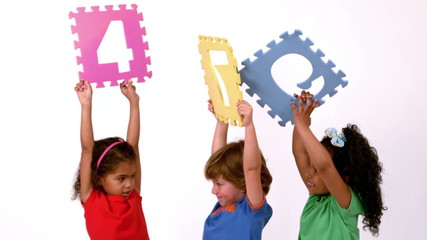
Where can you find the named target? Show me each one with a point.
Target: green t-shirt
(324, 218)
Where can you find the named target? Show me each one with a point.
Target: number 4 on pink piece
(111, 44)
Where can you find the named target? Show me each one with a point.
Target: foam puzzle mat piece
(257, 75)
(91, 28)
(221, 72)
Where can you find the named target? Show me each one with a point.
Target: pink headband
(105, 152)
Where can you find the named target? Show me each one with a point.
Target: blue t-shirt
(237, 221)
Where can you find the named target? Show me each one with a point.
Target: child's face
(226, 192)
(314, 182)
(121, 181)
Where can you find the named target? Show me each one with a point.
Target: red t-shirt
(115, 217)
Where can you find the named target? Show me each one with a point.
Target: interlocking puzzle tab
(99, 61)
(257, 75)
(225, 71)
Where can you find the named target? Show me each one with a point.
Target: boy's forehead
(219, 178)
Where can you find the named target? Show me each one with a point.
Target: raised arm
(302, 159)
(84, 93)
(319, 157)
(220, 134)
(251, 157)
(133, 132)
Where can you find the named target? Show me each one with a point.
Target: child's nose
(128, 183)
(214, 190)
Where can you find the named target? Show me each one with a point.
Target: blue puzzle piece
(257, 75)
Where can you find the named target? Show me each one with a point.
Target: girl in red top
(108, 182)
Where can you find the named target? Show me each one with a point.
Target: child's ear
(346, 179)
(99, 182)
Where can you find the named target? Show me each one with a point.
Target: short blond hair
(227, 162)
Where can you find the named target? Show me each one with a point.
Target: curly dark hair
(228, 163)
(120, 153)
(358, 162)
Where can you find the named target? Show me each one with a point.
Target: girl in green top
(342, 174)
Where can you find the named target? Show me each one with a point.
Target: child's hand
(84, 92)
(129, 91)
(210, 107)
(245, 110)
(306, 107)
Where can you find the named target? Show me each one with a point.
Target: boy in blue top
(241, 181)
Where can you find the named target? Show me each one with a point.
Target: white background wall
(380, 45)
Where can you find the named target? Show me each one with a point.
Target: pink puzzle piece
(91, 28)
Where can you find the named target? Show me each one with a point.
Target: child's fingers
(79, 86)
(313, 106)
(242, 104)
(123, 85)
(310, 106)
(130, 83)
(308, 102)
(210, 107)
(239, 103)
(304, 95)
(87, 85)
(244, 109)
(300, 103)
(293, 107)
(127, 84)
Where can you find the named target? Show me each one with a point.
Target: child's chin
(224, 204)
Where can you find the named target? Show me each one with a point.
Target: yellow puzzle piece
(222, 78)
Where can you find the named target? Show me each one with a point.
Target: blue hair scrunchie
(337, 140)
